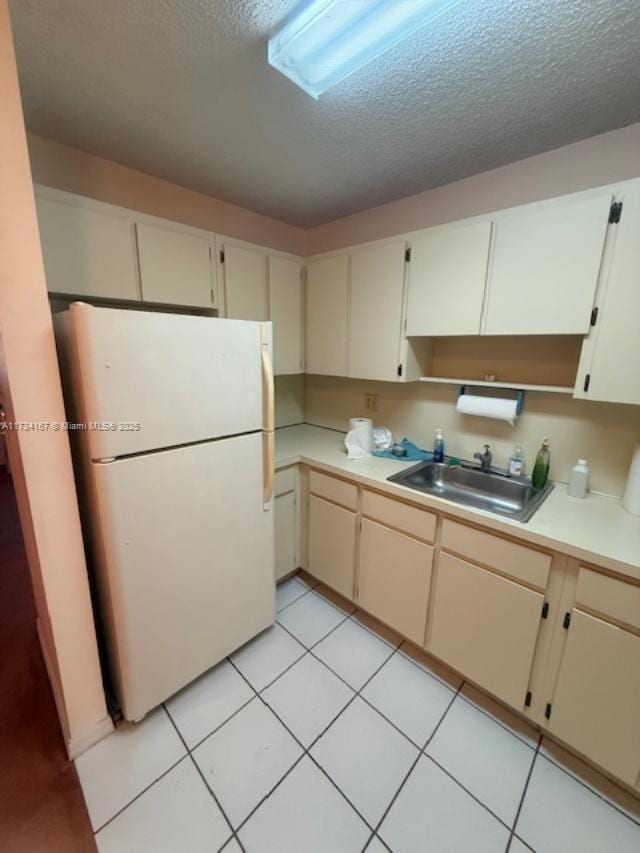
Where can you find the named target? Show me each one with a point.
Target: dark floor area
(41, 804)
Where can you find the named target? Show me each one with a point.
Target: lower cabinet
(332, 545)
(485, 626)
(596, 707)
(394, 578)
(284, 507)
(482, 610)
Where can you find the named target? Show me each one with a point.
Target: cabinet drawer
(486, 627)
(416, 522)
(285, 481)
(609, 596)
(517, 561)
(332, 489)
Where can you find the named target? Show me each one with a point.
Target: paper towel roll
(488, 407)
(631, 497)
(365, 426)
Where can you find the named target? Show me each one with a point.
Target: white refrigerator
(176, 450)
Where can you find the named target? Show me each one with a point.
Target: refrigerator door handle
(268, 469)
(268, 393)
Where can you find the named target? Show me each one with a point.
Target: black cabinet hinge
(547, 711)
(615, 212)
(545, 610)
(407, 255)
(399, 370)
(567, 621)
(594, 316)
(527, 699)
(587, 381)
(221, 256)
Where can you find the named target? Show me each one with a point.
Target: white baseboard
(75, 746)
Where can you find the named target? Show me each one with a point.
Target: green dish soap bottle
(541, 467)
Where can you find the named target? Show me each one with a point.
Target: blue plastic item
(414, 454)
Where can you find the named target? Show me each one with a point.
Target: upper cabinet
(376, 311)
(88, 249)
(610, 362)
(285, 312)
(245, 282)
(447, 278)
(545, 266)
(262, 286)
(175, 266)
(327, 313)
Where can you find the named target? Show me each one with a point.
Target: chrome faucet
(485, 458)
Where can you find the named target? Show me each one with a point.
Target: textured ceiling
(181, 89)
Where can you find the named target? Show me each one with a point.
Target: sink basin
(513, 497)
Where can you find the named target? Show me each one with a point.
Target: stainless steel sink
(466, 484)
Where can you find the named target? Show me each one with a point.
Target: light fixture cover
(326, 40)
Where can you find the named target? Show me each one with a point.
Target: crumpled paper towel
(359, 439)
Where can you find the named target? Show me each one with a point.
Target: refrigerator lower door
(184, 562)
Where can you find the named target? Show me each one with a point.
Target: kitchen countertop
(596, 529)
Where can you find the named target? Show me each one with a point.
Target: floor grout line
(140, 793)
(584, 784)
(524, 794)
(306, 752)
(411, 769)
(500, 723)
(201, 774)
(358, 692)
(302, 595)
(467, 791)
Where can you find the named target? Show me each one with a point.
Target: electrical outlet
(371, 402)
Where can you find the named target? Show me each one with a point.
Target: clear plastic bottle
(516, 462)
(578, 485)
(438, 447)
(541, 467)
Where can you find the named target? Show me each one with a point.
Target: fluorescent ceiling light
(326, 40)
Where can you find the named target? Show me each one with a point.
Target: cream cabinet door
(285, 312)
(447, 278)
(86, 251)
(485, 626)
(376, 312)
(175, 266)
(394, 578)
(545, 267)
(285, 534)
(332, 545)
(245, 283)
(327, 295)
(596, 707)
(611, 354)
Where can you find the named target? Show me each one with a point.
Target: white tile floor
(326, 735)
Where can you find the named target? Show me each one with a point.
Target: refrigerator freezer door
(181, 378)
(185, 563)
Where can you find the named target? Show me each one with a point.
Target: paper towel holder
(519, 396)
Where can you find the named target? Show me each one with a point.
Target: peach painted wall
(41, 461)
(603, 159)
(66, 168)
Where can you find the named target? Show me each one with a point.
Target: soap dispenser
(438, 447)
(541, 467)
